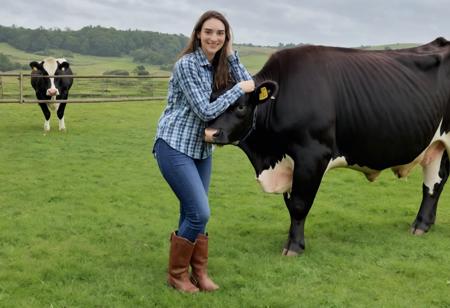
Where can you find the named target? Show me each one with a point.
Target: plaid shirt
(188, 109)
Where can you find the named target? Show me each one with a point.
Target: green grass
(85, 218)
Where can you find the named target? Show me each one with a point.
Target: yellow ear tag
(34, 68)
(263, 93)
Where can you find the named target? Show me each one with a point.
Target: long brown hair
(219, 62)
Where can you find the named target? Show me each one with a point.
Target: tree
(144, 46)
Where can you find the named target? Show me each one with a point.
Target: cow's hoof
(417, 232)
(293, 249)
(289, 253)
(63, 130)
(420, 227)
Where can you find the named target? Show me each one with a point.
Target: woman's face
(212, 37)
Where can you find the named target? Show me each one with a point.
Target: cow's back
(388, 105)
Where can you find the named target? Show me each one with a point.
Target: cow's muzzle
(52, 92)
(211, 134)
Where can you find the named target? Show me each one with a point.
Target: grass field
(85, 218)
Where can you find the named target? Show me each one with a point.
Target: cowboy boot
(180, 254)
(199, 263)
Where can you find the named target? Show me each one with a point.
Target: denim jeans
(189, 179)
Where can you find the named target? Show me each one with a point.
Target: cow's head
(237, 121)
(48, 86)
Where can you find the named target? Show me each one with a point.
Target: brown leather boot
(199, 263)
(180, 254)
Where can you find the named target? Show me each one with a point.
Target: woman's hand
(247, 85)
(230, 50)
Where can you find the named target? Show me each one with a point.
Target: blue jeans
(189, 179)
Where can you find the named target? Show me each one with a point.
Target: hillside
(143, 46)
(252, 57)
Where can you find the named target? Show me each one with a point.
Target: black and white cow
(51, 88)
(316, 108)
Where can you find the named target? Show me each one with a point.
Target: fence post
(21, 87)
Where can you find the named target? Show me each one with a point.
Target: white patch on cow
(51, 65)
(278, 180)
(337, 162)
(62, 125)
(53, 106)
(46, 126)
(432, 157)
(431, 173)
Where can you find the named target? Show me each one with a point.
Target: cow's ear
(63, 66)
(35, 66)
(266, 90)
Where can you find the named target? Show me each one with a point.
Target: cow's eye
(240, 108)
(241, 111)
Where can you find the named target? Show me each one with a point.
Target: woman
(184, 158)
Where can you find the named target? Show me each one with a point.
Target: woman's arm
(238, 71)
(198, 93)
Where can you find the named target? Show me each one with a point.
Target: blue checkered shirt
(182, 124)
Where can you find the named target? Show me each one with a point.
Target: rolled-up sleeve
(198, 92)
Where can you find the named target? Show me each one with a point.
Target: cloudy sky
(348, 23)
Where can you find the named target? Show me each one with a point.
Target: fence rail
(22, 100)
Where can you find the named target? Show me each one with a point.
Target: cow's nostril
(217, 133)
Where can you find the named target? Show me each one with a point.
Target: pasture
(85, 218)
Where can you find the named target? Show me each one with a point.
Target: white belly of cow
(278, 180)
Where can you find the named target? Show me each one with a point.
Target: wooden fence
(22, 100)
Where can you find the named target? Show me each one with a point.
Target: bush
(7, 65)
(141, 71)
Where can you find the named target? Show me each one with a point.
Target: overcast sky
(348, 23)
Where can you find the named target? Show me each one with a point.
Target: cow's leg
(60, 113)
(47, 114)
(435, 175)
(309, 166)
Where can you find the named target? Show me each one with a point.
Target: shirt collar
(201, 57)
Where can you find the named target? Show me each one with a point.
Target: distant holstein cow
(51, 88)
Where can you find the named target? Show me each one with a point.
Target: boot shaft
(181, 250)
(180, 255)
(199, 263)
(199, 259)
